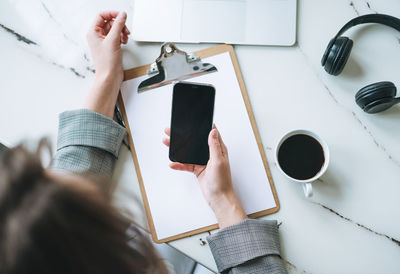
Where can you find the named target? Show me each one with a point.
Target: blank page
(175, 199)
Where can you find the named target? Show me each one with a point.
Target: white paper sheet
(174, 197)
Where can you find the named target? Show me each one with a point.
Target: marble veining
(365, 128)
(17, 35)
(379, 145)
(63, 33)
(355, 116)
(28, 41)
(358, 224)
(366, 3)
(294, 269)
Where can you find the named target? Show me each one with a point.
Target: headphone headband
(383, 19)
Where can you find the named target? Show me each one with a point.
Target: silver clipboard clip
(174, 65)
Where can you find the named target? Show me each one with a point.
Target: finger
(98, 32)
(126, 37)
(123, 38)
(118, 25)
(214, 145)
(166, 141)
(167, 131)
(102, 18)
(223, 146)
(107, 27)
(125, 30)
(183, 167)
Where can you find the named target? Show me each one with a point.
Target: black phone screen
(191, 122)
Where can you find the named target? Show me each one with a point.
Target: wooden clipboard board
(140, 71)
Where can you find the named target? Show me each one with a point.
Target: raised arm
(105, 38)
(88, 139)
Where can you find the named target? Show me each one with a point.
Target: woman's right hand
(215, 181)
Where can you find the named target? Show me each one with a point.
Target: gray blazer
(89, 143)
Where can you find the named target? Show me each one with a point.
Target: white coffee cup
(307, 183)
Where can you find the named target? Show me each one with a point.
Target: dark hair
(51, 227)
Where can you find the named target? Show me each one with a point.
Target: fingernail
(121, 15)
(215, 134)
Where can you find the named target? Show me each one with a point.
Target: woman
(61, 221)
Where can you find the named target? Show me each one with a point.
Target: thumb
(214, 145)
(118, 25)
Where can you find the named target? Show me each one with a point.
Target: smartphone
(191, 122)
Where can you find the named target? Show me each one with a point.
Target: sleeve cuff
(242, 242)
(84, 127)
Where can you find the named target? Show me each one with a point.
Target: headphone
(375, 97)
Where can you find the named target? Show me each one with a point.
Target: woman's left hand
(105, 38)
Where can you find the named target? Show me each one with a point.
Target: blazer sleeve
(88, 143)
(251, 246)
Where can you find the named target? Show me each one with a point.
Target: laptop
(250, 22)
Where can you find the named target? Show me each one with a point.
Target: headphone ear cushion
(374, 92)
(326, 53)
(338, 55)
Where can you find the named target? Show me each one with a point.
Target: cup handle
(307, 188)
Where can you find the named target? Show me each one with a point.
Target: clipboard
(202, 54)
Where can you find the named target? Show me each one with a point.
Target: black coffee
(301, 156)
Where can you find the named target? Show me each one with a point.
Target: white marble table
(351, 225)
